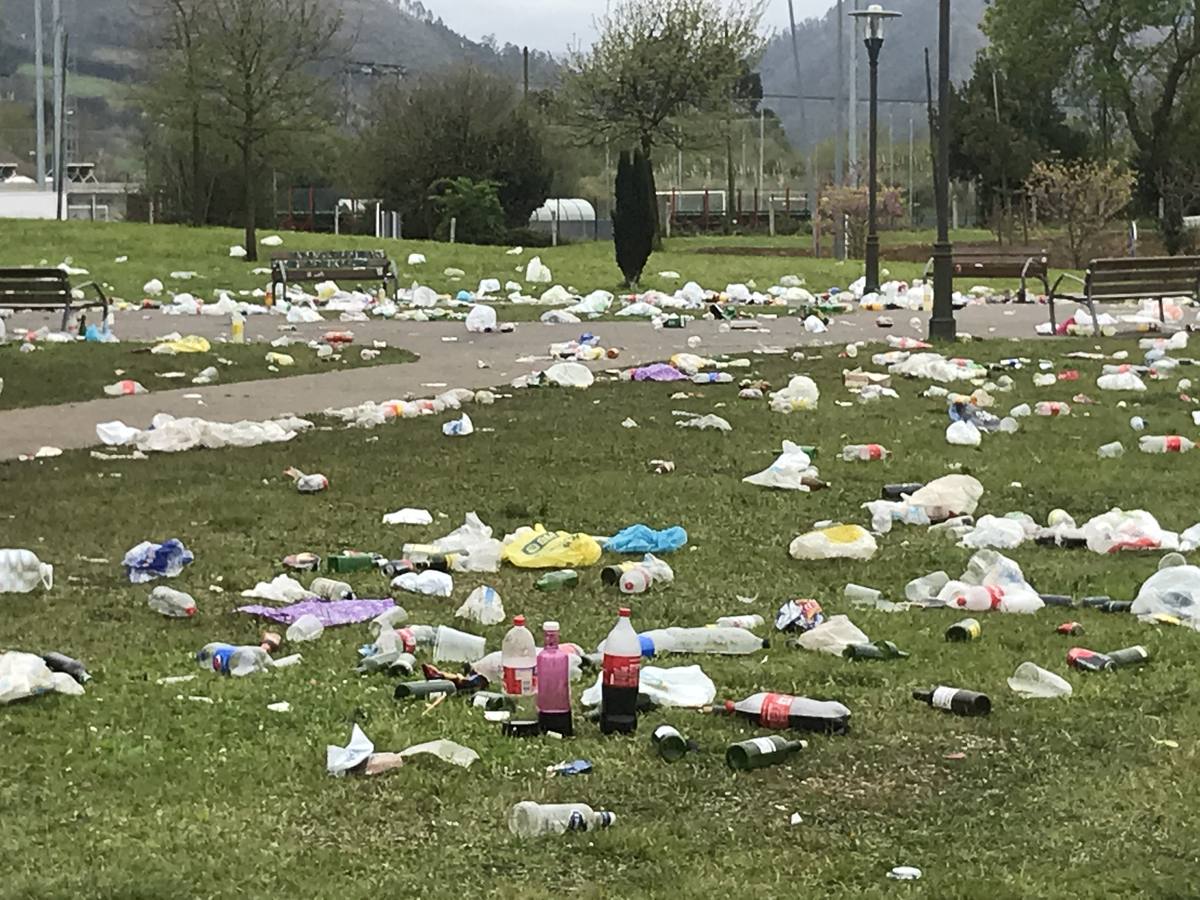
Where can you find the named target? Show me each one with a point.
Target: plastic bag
(706, 423)
(1032, 682)
(537, 548)
(537, 273)
(788, 472)
(948, 496)
(459, 427)
(936, 367)
(26, 675)
(643, 539)
(1120, 530)
(149, 560)
(481, 318)
(570, 374)
(1120, 381)
(340, 760)
(800, 394)
(124, 388)
(429, 583)
(191, 344)
(280, 589)
(836, 542)
(483, 606)
(993, 531)
(832, 636)
(963, 434)
(680, 686)
(1174, 592)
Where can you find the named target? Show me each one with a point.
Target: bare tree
(262, 68)
(1083, 196)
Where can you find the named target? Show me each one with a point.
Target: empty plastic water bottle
(1111, 450)
(1164, 443)
(529, 819)
(306, 628)
(864, 452)
(1052, 408)
(712, 378)
(230, 660)
(21, 571)
(716, 640)
(171, 602)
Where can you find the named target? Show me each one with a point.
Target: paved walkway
(443, 362)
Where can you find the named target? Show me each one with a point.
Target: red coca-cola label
(776, 710)
(1174, 443)
(621, 671)
(519, 681)
(407, 638)
(874, 451)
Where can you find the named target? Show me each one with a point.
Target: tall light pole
(941, 325)
(39, 63)
(874, 16)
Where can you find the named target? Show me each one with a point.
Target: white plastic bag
(787, 472)
(801, 393)
(1120, 381)
(481, 319)
(680, 686)
(570, 374)
(963, 434)
(993, 531)
(948, 496)
(483, 606)
(1120, 530)
(836, 542)
(408, 516)
(537, 273)
(429, 583)
(706, 423)
(832, 636)
(280, 589)
(1173, 591)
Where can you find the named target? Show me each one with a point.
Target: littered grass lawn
(66, 373)
(136, 790)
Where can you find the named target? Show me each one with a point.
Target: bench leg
(1095, 321)
(1053, 324)
(66, 315)
(1162, 313)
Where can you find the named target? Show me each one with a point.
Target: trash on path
(681, 686)
(1030, 681)
(125, 388)
(280, 589)
(193, 343)
(25, 675)
(21, 571)
(570, 374)
(643, 539)
(656, 372)
(149, 560)
(168, 434)
(481, 319)
(307, 484)
(171, 603)
(329, 613)
(483, 606)
(835, 542)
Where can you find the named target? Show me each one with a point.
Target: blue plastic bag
(149, 560)
(644, 539)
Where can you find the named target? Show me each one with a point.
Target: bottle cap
(518, 621)
(550, 626)
(623, 611)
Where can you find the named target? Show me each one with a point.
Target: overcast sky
(554, 24)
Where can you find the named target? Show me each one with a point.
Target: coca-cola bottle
(795, 713)
(619, 680)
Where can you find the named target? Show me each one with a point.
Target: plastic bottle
(552, 581)
(877, 650)
(1171, 443)
(414, 636)
(669, 743)
(612, 574)
(230, 660)
(796, 713)
(1137, 423)
(636, 581)
(237, 328)
(60, 662)
(518, 660)
(981, 598)
(959, 702)
(21, 571)
(896, 492)
(388, 620)
(1111, 450)
(760, 752)
(331, 589)
(712, 378)
(747, 623)
(528, 819)
(306, 628)
(1052, 408)
(864, 452)
(712, 639)
(171, 602)
(619, 678)
(553, 681)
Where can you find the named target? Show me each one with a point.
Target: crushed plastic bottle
(21, 571)
(528, 819)
(864, 452)
(172, 603)
(230, 660)
(1111, 450)
(1052, 408)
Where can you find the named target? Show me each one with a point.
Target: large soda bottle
(619, 681)
(518, 661)
(553, 679)
(710, 639)
(796, 713)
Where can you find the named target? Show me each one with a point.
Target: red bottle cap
(518, 620)
(623, 611)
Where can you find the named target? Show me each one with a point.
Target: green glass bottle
(877, 650)
(1129, 656)
(553, 581)
(350, 562)
(966, 630)
(760, 752)
(669, 743)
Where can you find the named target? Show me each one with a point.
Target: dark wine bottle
(877, 650)
(959, 702)
(670, 744)
(760, 752)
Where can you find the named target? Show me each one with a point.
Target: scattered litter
(408, 516)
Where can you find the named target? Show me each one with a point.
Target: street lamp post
(874, 15)
(941, 325)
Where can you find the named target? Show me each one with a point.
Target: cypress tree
(633, 215)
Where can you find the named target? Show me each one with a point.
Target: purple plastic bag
(658, 372)
(337, 612)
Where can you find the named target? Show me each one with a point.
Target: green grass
(131, 791)
(156, 251)
(64, 373)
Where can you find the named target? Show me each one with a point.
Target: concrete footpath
(442, 363)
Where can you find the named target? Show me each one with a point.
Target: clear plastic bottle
(21, 571)
(518, 660)
(387, 621)
(230, 660)
(414, 636)
(172, 603)
(1164, 443)
(1111, 450)
(553, 680)
(712, 378)
(864, 452)
(1052, 408)
(712, 639)
(306, 628)
(620, 677)
(795, 713)
(749, 623)
(636, 581)
(237, 328)
(528, 819)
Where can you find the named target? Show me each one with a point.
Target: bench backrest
(1008, 262)
(308, 264)
(1145, 277)
(33, 287)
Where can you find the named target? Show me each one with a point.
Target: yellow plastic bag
(537, 548)
(193, 343)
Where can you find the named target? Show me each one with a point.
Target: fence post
(756, 198)
(93, 207)
(453, 228)
(704, 221)
(771, 216)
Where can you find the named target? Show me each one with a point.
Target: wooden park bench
(321, 265)
(1137, 278)
(996, 262)
(44, 288)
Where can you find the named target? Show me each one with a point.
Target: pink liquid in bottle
(554, 684)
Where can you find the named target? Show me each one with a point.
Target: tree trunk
(648, 152)
(251, 241)
(197, 187)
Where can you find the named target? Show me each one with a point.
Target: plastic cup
(453, 645)
(857, 593)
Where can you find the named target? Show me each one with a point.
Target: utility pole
(762, 151)
(1007, 224)
(852, 138)
(62, 137)
(59, 163)
(525, 70)
(942, 325)
(839, 161)
(40, 79)
(796, 64)
(912, 191)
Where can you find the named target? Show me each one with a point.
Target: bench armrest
(1058, 281)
